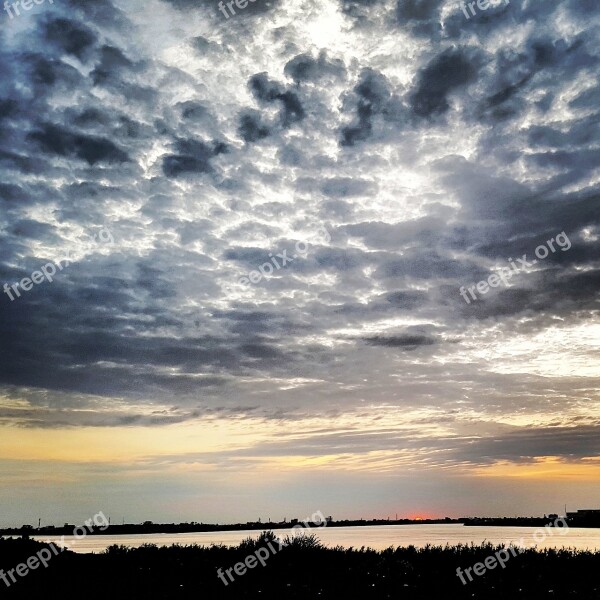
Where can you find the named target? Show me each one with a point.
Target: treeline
(304, 570)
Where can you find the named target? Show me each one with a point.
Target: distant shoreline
(174, 528)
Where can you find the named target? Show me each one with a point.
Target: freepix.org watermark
(9, 7)
(241, 4)
(502, 556)
(48, 271)
(43, 557)
(481, 5)
(267, 269)
(261, 555)
(505, 273)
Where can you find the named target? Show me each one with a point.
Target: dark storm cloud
(49, 73)
(537, 68)
(54, 139)
(513, 222)
(410, 342)
(70, 37)
(452, 69)
(187, 4)
(112, 63)
(588, 99)
(422, 16)
(102, 12)
(552, 292)
(91, 118)
(509, 207)
(193, 156)
(256, 8)
(584, 131)
(406, 299)
(417, 10)
(251, 127)
(14, 198)
(267, 91)
(304, 68)
(292, 109)
(373, 93)
(426, 265)
(10, 193)
(130, 362)
(28, 228)
(192, 110)
(201, 44)
(40, 417)
(526, 445)
(503, 15)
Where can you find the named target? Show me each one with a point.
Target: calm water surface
(377, 537)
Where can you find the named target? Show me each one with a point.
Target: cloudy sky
(170, 151)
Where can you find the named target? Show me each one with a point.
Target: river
(377, 537)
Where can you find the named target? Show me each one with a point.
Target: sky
(260, 225)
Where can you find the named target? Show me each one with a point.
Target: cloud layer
(431, 148)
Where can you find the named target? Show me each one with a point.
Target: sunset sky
(408, 150)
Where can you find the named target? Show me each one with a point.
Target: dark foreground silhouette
(302, 570)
